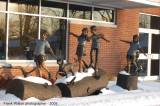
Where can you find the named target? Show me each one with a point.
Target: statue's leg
(80, 63)
(128, 65)
(91, 57)
(38, 69)
(135, 65)
(56, 75)
(72, 70)
(96, 64)
(84, 68)
(50, 74)
(96, 58)
(66, 74)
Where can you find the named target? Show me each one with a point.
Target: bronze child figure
(39, 53)
(131, 54)
(95, 47)
(81, 46)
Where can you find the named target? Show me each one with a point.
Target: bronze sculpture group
(39, 53)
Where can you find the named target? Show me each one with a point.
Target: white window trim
(84, 22)
(151, 14)
(7, 29)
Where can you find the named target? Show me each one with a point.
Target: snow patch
(34, 79)
(124, 73)
(32, 99)
(106, 91)
(78, 76)
(9, 97)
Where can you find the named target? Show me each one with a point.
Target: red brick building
(118, 19)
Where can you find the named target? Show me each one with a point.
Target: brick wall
(112, 55)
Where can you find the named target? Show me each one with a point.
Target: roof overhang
(124, 4)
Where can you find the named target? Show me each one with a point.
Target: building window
(54, 8)
(148, 21)
(56, 29)
(3, 5)
(2, 36)
(106, 15)
(26, 18)
(80, 12)
(19, 46)
(144, 21)
(24, 6)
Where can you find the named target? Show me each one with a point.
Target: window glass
(144, 21)
(101, 14)
(155, 44)
(25, 6)
(143, 41)
(3, 5)
(81, 12)
(155, 22)
(2, 36)
(19, 46)
(154, 67)
(56, 29)
(144, 65)
(54, 8)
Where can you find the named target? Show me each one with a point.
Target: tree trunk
(24, 89)
(86, 86)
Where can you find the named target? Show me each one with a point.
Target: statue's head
(135, 38)
(59, 61)
(84, 31)
(93, 28)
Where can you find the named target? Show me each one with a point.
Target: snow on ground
(148, 94)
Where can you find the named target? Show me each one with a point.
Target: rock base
(128, 82)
